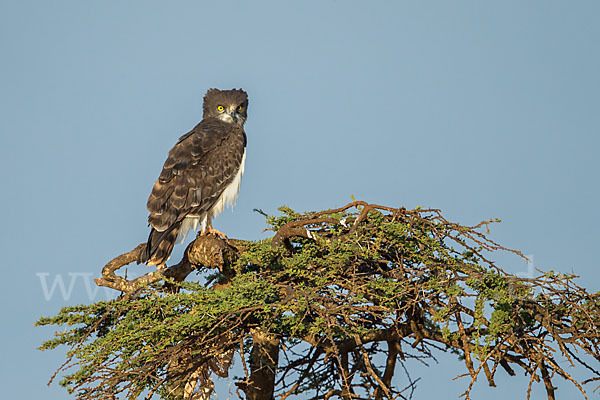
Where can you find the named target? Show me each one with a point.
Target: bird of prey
(201, 176)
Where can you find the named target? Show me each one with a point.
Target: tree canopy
(330, 306)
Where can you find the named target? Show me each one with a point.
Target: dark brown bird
(201, 176)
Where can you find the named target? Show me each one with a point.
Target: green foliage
(363, 271)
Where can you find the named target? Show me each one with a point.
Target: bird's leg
(209, 229)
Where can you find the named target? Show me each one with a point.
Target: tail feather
(159, 246)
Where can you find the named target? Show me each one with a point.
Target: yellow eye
(220, 108)
(240, 107)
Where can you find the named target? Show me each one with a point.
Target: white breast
(227, 198)
(230, 194)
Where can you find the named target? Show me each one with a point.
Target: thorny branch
(349, 280)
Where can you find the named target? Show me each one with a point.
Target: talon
(211, 230)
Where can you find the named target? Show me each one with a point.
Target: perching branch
(206, 251)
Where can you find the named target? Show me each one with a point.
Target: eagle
(202, 174)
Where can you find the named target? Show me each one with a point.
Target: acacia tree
(329, 307)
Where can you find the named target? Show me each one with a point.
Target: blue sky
(483, 110)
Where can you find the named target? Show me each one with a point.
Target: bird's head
(227, 105)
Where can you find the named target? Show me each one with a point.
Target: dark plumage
(201, 175)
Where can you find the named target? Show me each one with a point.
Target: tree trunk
(264, 359)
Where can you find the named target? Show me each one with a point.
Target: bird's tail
(159, 246)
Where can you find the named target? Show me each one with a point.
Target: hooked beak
(234, 116)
